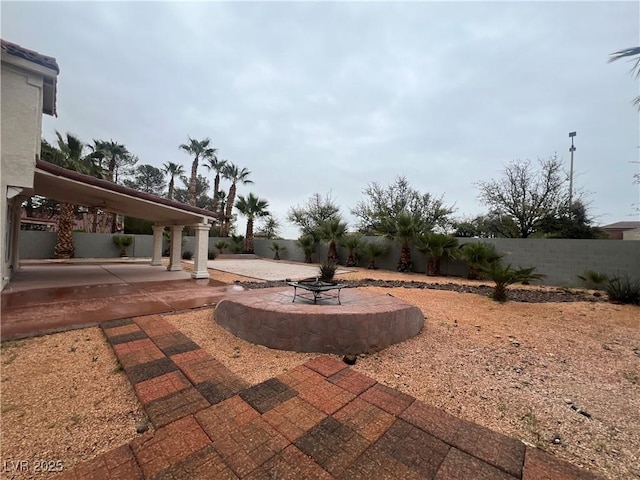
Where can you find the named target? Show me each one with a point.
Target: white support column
(176, 248)
(202, 251)
(158, 231)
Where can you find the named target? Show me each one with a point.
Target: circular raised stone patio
(365, 322)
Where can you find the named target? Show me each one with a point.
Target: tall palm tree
(173, 170)
(405, 228)
(635, 70)
(437, 246)
(200, 149)
(251, 207)
(68, 154)
(112, 152)
(212, 163)
(235, 175)
(332, 231)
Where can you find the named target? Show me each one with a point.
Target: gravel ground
(63, 399)
(562, 376)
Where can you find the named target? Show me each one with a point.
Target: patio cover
(68, 186)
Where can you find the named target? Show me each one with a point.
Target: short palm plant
(352, 243)
(404, 228)
(236, 243)
(221, 245)
(503, 276)
(277, 248)
(437, 246)
(122, 242)
(332, 231)
(479, 256)
(308, 245)
(373, 250)
(594, 280)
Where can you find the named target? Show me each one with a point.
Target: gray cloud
(313, 97)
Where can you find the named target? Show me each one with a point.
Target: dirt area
(562, 376)
(64, 399)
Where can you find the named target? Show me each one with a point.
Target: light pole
(571, 149)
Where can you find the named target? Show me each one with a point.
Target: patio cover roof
(68, 186)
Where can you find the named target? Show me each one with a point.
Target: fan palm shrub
(436, 246)
(221, 245)
(122, 242)
(332, 231)
(479, 256)
(372, 250)
(404, 228)
(503, 276)
(594, 280)
(352, 243)
(308, 245)
(277, 248)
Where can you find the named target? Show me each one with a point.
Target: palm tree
(68, 154)
(404, 228)
(437, 246)
(372, 250)
(352, 243)
(503, 276)
(200, 149)
(635, 70)
(251, 207)
(112, 151)
(478, 255)
(173, 170)
(331, 231)
(233, 173)
(308, 245)
(221, 201)
(277, 248)
(212, 163)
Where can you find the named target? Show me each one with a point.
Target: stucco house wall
(24, 100)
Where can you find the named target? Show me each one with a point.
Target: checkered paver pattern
(320, 420)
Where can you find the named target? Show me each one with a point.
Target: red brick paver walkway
(320, 420)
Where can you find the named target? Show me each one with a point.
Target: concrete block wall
(559, 259)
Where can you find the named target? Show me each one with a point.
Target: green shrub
(503, 276)
(328, 270)
(277, 248)
(623, 290)
(122, 242)
(187, 255)
(211, 254)
(221, 246)
(479, 256)
(594, 280)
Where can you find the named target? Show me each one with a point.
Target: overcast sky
(319, 97)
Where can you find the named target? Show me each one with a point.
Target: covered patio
(64, 185)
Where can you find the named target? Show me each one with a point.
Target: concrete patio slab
(54, 297)
(271, 270)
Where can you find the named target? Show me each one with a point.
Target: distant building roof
(622, 226)
(30, 55)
